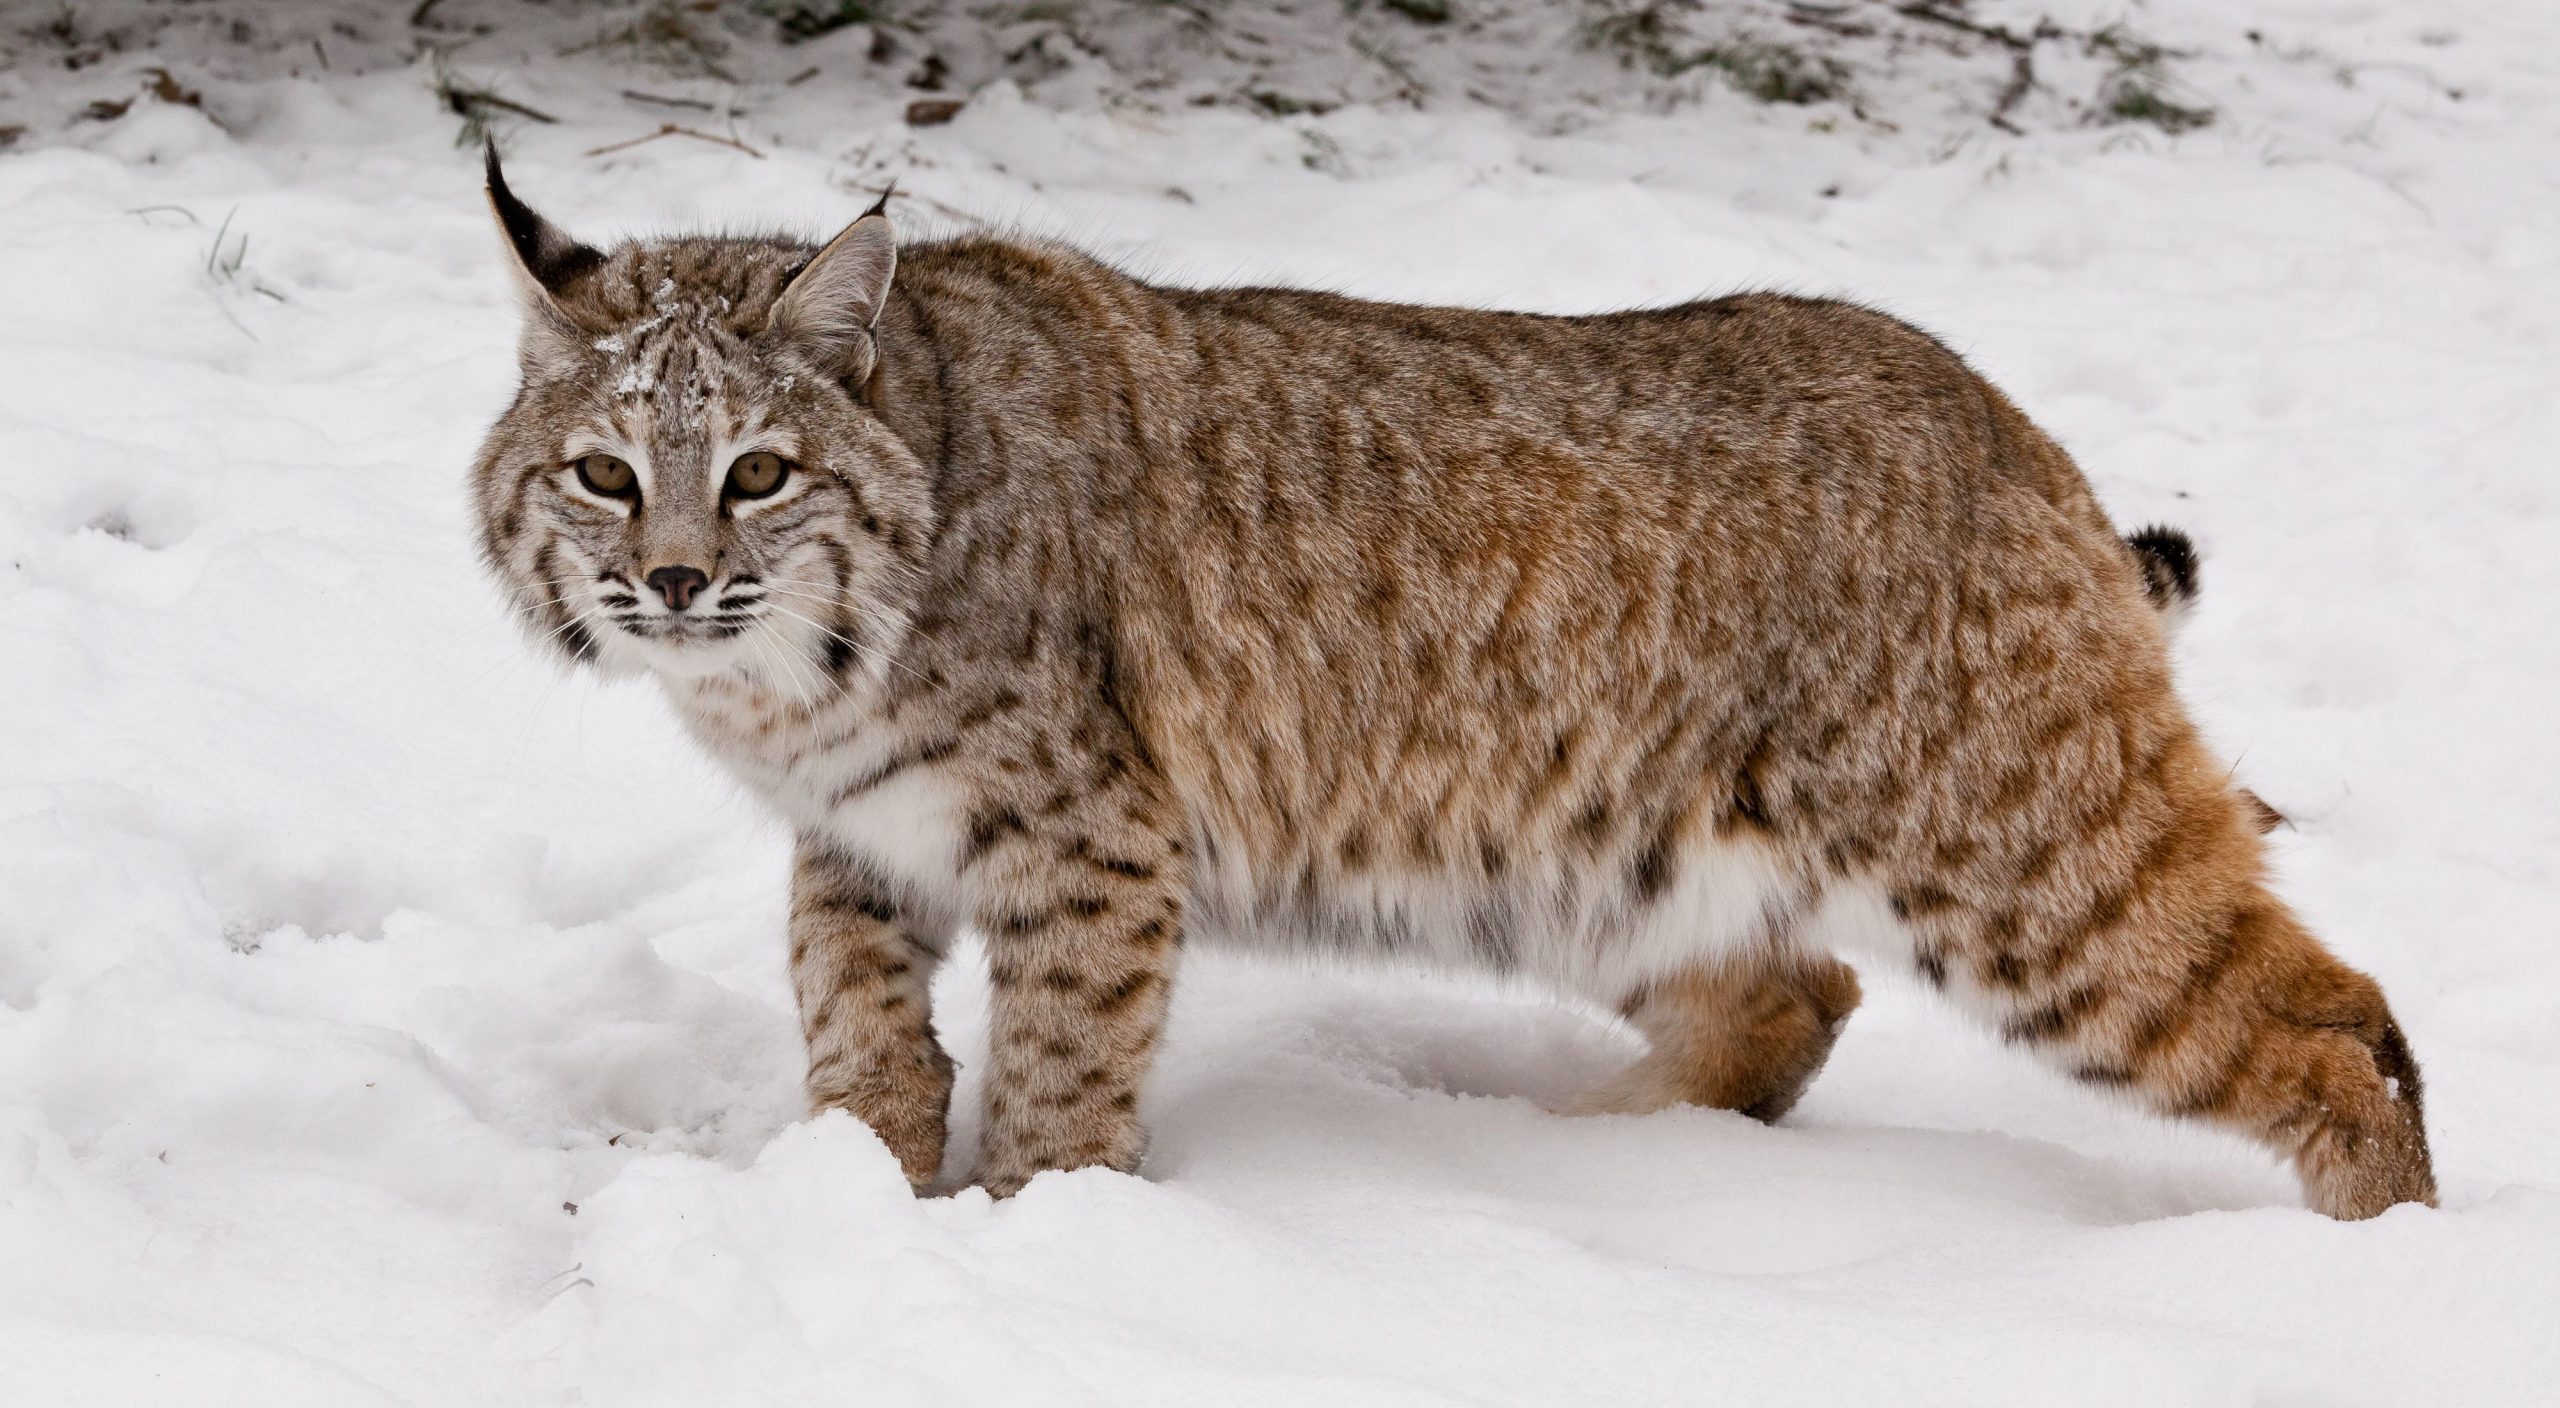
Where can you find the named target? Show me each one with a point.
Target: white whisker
(782, 587)
(813, 687)
(858, 647)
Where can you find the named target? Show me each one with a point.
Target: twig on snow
(1995, 33)
(2021, 47)
(697, 104)
(2022, 77)
(672, 129)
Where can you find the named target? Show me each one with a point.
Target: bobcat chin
(1648, 655)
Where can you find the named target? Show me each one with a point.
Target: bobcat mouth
(686, 630)
(733, 613)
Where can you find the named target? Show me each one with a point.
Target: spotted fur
(1647, 655)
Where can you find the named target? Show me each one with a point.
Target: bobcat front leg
(1085, 873)
(863, 974)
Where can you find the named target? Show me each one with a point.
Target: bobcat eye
(756, 475)
(606, 475)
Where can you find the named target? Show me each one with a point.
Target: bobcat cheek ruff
(1645, 655)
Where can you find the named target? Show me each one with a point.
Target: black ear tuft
(880, 206)
(2169, 563)
(547, 254)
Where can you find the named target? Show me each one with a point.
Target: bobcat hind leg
(1746, 1033)
(2143, 952)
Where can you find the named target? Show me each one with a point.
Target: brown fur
(1746, 1036)
(1269, 616)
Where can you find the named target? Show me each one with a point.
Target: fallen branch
(637, 96)
(2022, 77)
(672, 129)
(1832, 19)
(1995, 33)
(2021, 47)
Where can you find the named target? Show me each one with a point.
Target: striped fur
(1647, 655)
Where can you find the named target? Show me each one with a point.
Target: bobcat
(1646, 655)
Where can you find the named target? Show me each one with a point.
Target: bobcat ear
(546, 256)
(544, 259)
(831, 305)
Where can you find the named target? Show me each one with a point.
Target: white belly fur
(1582, 933)
(1578, 931)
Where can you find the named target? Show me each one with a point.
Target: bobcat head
(691, 480)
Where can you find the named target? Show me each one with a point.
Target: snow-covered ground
(385, 1018)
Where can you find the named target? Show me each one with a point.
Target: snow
(387, 1018)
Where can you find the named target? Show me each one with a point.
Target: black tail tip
(2170, 565)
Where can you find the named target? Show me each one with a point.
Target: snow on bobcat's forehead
(637, 354)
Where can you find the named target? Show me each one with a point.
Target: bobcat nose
(676, 585)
